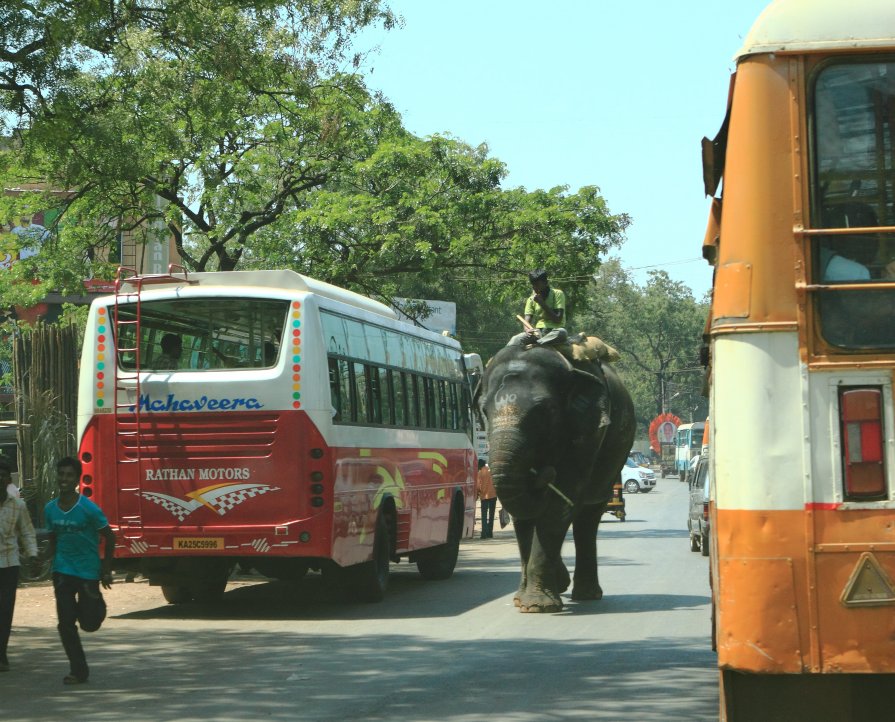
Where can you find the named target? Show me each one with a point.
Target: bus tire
(694, 545)
(176, 594)
(368, 581)
(438, 562)
(704, 545)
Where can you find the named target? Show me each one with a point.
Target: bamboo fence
(45, 369)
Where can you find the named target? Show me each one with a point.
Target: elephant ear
(587, 405)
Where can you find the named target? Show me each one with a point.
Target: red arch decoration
(654, 429)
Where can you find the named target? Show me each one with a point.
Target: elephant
(559, 433)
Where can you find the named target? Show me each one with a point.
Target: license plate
(198, 543)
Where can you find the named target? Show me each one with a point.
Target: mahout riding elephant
(559, 433)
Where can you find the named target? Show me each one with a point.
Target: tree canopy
(243, 131)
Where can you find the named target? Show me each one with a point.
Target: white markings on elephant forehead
(515, 366)
(504, 398)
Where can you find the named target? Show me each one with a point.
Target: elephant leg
(542, 589)
(563, 580)
(524, 534)
(585, 526)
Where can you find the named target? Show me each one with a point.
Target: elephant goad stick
(525, 324)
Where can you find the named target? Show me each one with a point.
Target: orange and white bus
(802, 353)
(299, 426)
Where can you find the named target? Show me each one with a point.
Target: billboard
(442, 318)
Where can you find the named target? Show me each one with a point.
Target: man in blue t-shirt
(76, 524)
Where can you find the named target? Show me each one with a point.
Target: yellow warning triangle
(869, 585)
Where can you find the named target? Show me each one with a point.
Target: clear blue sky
(606, 93)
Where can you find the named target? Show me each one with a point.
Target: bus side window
(373, 383)
(454, 407)
(413, 400)
(386, 393)
(423, 400)
(466, 411)
(362, 393)
(335, 388)
(443, 419)
(399, 394)
(431, 420)
(349, 399)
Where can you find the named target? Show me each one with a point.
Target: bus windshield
(853, 187)
(218, 333)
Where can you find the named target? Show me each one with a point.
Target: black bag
(91, 607)
(504, 517)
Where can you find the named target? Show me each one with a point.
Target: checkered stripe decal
(226, 502)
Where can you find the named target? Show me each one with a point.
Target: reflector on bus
(862, 442)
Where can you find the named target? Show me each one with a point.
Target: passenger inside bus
(172, 350)
(853, 258)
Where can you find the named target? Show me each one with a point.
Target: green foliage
(658, 330)
(203, 120)
(234, 128)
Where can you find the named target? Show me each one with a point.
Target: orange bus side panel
(751, 638)
(764, 599)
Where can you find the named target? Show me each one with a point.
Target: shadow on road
(271, 673)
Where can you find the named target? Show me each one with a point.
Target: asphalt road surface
(454, 650)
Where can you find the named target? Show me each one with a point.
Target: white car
(637, 478)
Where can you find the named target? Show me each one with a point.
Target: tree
(658, 331)
(233, 127)
(203, 120)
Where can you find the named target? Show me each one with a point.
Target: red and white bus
(303, 427)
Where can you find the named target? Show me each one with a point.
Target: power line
(667, 263)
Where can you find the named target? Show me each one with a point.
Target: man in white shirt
(17, 540)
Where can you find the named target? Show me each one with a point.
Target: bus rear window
(853, 193)
(201, 333)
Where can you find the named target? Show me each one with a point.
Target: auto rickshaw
(616, 504)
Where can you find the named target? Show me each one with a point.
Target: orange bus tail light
(860, 412)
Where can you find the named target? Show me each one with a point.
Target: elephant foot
(540, 602)
(587, 592)
(562, 578)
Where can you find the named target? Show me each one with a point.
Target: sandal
(72, 679)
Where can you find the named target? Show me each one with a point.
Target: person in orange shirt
(485, 491)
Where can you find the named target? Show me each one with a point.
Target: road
(455, 650)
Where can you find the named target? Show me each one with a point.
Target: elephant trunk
(521, 482)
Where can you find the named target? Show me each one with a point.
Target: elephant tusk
(566, 499)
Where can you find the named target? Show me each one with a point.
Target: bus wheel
(694, 545)
(439, 562)
(369, 581)
(176, 594)
(704, 544)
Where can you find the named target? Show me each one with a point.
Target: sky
(616, 94)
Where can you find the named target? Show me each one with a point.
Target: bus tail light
(860, 412)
